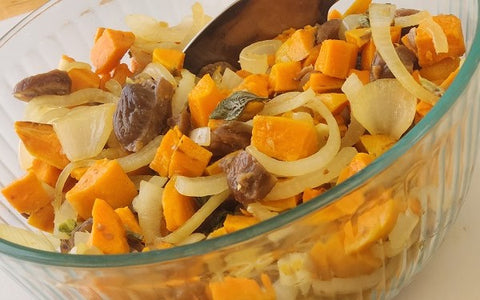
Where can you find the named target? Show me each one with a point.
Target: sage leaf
(232, 107)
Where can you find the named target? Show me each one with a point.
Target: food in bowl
(297, 143)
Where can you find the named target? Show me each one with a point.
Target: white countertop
(452, 274)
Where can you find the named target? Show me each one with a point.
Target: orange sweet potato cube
(283, 76)
(177, 208)
(27, 194)
(172, 59)
(106, 180)
(203, 100)
(188, 159)
(336, 58)
(43, 218)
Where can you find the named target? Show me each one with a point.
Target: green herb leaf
(232, 107)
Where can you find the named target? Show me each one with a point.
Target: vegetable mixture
(134, 153)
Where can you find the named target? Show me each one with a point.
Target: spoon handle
(249, 21)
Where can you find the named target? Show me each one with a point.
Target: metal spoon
(249, 21)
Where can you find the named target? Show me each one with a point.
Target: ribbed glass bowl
(431, 166)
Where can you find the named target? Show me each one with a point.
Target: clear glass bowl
(427, 172)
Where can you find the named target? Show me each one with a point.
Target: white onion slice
(148, 205)
(62, 179)
(439, 38)
(296, 185)
(354, 131)
(254, 58)
(197, 219)
(381, 16)
(180, 97)
(201, 186)
(36, 240)
(411, 20)
(311, 163)
(84, 131)
(201, 136)
(158, 71)
(141, 158)
(382, 106)
(286, 102)
(230, 80)
(114, 87)
(83, 96)
(260, 211)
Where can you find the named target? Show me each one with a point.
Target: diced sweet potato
(238, 288)
(452, 28)
(109, 48)
(237, 222)
(370, 226)
(438, 72)
(284, 138)
(42, 142)
(172, 59)
(163, 156)
(27, 194)
(283, 76)
(105, 180)
(331, 260)
(129, 221)
(43, 218)
(377, 144)
(336, 58)
(108, 233)
(83, 78)
(203, 100)
(256, 84)
(359, 161)
(188, 159)
(321, 83)
(177, 208)
(297, 46)
(45, 172)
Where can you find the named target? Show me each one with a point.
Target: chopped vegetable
(42, 142)
(284, 138)
(336, 58)
(108, 233)
(283, 76)
(109, 48)
(172, 59)
(203, 99)
(97, 182)
(233, 107)
(177, 208)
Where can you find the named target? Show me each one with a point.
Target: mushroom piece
(142, 113)
(228, 137)
(328, 30)
(55, 82)
(380, 69)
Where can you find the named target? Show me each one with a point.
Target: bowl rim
(217, 244)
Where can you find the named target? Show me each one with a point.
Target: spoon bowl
(249, 21)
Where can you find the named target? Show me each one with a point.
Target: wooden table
(10, 8)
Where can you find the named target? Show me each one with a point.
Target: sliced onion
(201, 186)
(201, 136)
(84, 131)
(196, 23)
(151, 29)
(311, 163)
(381, 16)
(148, 205)
(197, 219)
(286, 102)
(62, 179)
(254, 58)
(230, 80)
(25, 159)
(180, 97)
(383, 106)
(158, 71)
(80, 97)
(439, 38)
(354, 131)
(36, 240)
(260, 211)
(114, 87)
(400, 236)
(193, 238)
(141, 158)
(412, 20)
(296, 185)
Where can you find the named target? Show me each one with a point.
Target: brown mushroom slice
(247, 178)
(221, 66)
(182, 120)
(328, 30)
(380, 69)
(228, 137)
(55, 82)
(142, 113)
